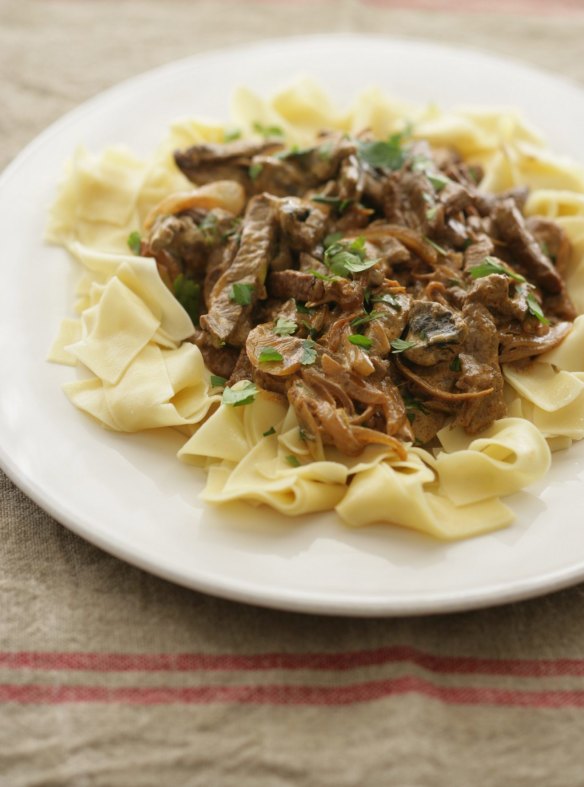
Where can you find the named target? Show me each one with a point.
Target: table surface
(109, 676)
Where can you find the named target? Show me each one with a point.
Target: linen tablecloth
(109, 676)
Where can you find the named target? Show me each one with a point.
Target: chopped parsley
(291, 152)
(360, 341)
(535, 309)
(431, 212)
(400, 345)
(308, 352)
(134, 242)
(437, 180)
(292, 460)
(339, 204)
(269, 432)
(491, 265)
(267, 131)
(217, 381)
(209, 228)
(231, 134)
(302, 308)
(254, 170)
(367, 318)
(344, 258)
(284, 327)
(388, 298)
(241, 293)
(331, 238)
(455, 365)
(322, 276)
(245, 393)
(435, 246)
(269, 355)
(384, 155)
(188, 294)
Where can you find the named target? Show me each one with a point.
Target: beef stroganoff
(373, 311)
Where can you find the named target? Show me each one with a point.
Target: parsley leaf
(188, 294)
(269, 431)
(269, 354)
(437, 180)
(322, 276)
(241, 293)
(331, 238)
(217, 381)
(285, 327)
(292, 460)
(267, 131)
(383, 155)
(535, 309)
(360, 341)
(491, 265)
(209, 228)
(339, 204)
(344, 258)
(308, 352)
(399, 345)
(388, 298)
(455, 365)
(435, 246)
(254, 170)
(367, 318)
(244, 394)
(134, 241)
(302, 308)
(231, 134)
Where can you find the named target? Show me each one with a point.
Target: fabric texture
(112, 677)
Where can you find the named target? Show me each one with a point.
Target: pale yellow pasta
(131, 334)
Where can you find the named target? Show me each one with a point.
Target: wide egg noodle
(387, 493)
(503, 459)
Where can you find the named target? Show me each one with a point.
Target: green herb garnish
(231, 134)
(388, 298)
(344, 258)
(308, 352)
(217, 381)
(435, 246)
(269, 355)
(302, 308)
(491, 265)
(269, 432)
(268, 131)
(455, 365)
(244, 394)
(188, 294)
(134, 241)
(535, 309)
(331, 238)
(367, 318)
(209, 228)
(241, 293)
(339, 204)
(384, 155)
(400, 345)
(284, 327)
(292, 460)
(254, 170)
(437, 180)
(360, 341)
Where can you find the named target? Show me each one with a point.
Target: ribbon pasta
(139, 372)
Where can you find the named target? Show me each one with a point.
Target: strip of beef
(480, 371)
(525, 252)
(302, 223)
(307, 288)
(208, 162)
(219, 360)
(228, 318)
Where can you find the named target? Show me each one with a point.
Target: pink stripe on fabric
(546, 7)
(341, 661)
(290, 695)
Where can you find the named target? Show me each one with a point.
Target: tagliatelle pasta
(140, 372)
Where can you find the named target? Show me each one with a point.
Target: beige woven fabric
(111, 677)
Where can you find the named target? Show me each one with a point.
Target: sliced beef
(208, 162)
(228, 319)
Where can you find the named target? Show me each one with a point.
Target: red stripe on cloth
(290, 695)
(545, 7)
(340, 661)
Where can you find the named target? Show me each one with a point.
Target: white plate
(129, 494)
